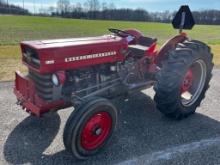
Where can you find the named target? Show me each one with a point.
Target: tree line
(94, 9)
(6, 8)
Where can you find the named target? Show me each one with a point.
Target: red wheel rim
(96, 130)
(193, 83)
(187, 81)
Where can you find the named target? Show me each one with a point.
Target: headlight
(59, 78)
(55, 80)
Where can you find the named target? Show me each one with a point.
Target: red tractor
(87, 72)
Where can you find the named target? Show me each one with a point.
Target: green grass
(14, 29)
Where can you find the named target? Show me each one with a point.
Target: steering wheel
(120, 33)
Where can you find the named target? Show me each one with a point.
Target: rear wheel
(183, 79)
(89, 127)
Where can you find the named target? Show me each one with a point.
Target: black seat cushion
(146, 41)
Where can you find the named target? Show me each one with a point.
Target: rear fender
(168, 46)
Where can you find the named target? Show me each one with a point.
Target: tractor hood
(47, 56)
(72, 42)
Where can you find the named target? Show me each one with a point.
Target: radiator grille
(43, 84)
(31, 57)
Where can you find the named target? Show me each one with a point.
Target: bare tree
(78, 7)
(104, 6)
(63, 6)
(92, 5)
(2, 2)
(51, 9)
(111, 6)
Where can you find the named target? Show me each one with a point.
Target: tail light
(152, 50)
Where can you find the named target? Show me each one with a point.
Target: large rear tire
(90, 127)
(183, 79)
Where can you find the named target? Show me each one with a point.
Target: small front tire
(90, 127)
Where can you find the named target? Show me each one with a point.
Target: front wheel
(90, 127)
(183, 79)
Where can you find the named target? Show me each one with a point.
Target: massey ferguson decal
(90, 56)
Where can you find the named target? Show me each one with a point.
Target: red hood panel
(61, 54)
(57, 43)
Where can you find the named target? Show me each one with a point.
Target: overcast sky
(150, 5)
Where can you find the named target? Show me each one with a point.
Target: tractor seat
(138, 50)
(146, 41)
(143, 44)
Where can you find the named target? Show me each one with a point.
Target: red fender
(170, 45)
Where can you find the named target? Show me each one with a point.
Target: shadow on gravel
(30, 138)
(141, 130)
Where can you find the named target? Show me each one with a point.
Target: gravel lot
(144, 136)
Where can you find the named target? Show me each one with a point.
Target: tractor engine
(103, 80)
(83, 82)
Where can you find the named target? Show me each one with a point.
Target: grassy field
(14, 29)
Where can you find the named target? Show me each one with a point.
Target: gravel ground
(143, 136)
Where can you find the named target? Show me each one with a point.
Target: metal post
(183, 18)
